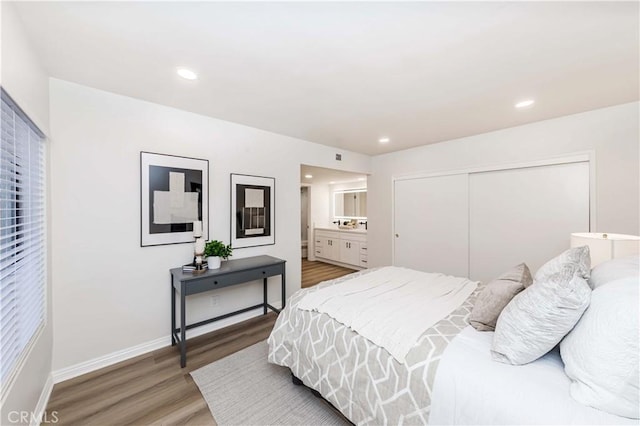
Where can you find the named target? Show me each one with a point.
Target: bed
(472, 389)
(447, 377)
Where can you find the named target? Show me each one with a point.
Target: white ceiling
(346, 74)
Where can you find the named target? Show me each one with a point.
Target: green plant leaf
(217, 248)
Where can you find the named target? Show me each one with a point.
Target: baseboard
(42, 402)
(106, 360)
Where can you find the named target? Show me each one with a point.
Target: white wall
(612, 133)
(110, 294)
(23, 77)
(320, 196)
(345, 186)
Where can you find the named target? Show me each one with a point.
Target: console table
(232, 272)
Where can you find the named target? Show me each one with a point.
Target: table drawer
(198, 286)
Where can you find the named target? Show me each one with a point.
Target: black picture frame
(174, 192)
(252, 210)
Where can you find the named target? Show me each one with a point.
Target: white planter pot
(213, 262)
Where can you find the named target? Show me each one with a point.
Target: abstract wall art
(174, 193)
(252, 211)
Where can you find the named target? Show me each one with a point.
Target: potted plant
(215, 251)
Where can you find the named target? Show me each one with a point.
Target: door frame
(310, 237)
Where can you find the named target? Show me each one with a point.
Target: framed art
(174, 193)
(252, 211)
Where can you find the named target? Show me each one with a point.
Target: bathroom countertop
(336, 229)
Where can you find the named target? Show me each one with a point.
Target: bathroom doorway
(319, 189)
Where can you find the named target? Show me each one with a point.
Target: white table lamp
(605, 247)
(197, 228)
(199, 244)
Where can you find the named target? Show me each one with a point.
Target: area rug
(244, 389)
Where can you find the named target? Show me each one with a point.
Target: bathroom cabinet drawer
(329, 245)
(346, 247)
(327, 235)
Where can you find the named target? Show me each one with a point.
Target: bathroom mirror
(350, 204)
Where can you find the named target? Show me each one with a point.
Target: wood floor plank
(314, 272)
(194, 413)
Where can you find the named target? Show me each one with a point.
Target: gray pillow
(578, 256)
(540, 316)
(496, 295)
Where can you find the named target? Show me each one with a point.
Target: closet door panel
(431, 224)
(524, 215)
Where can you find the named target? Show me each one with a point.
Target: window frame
(18, 363)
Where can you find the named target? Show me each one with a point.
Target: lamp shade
(197, 229)
(605, 247)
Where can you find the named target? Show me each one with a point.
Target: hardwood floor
(152, 388)
(316, 272)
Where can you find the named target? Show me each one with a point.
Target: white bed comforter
(420, 300)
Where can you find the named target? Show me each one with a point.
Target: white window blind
(22, 236)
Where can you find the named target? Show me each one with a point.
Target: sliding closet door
(431, 224)
(524, 215)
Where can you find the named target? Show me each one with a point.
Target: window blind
(22, 236)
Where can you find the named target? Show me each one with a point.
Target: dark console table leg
(183, 328)
(264, 293)
(173, 314)
(284, 288)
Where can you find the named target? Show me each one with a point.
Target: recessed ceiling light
(187, 74)
(332, 182)
(384, 140)
(308, 176)
(524, 104)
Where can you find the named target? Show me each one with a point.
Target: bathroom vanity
(344, 247)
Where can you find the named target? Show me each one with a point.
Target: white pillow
(601, 353)
(540, 316)
(578, 256)
(614, 269)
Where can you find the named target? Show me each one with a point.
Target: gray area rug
(244, 389)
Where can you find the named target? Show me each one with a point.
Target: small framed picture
(252, 211)
(174, 193)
